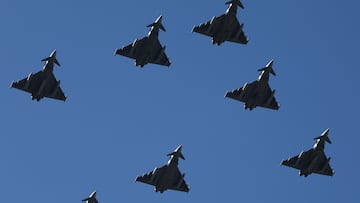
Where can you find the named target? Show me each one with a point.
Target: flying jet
(225, 27)
(313, 160)
(148, 49)
(167, 176)
(43, 83)
(91, 198)
(257, 93)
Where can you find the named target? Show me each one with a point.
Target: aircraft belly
(314, 164)
(40, 91)
(323, 167)
(164, 181)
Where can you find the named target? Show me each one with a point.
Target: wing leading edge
(305, 159)
(38, 82)
(249, 94)
(219, 30)
(158, 175)
(143, 51)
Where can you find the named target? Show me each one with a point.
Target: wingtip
(282, 162)
(227, 94)
(137, 178)
(116, 52)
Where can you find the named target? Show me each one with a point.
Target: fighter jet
(148, 49)
(257, 93)
(91, 198)
(313, 160)
(225, 27)
(43, 83)
(167, 176)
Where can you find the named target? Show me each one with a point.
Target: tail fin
(236, 2)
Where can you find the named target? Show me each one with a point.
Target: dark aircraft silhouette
(91, 198)
(43, 83)
(257, 93)
(167, 176)
(313, 160)
(148, 49)
(225, 27)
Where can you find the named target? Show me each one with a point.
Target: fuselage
(232, 9)
(317, 160)
(147, 49)
(44, 86)
(256, 94)
(168, 177)
(226, 30)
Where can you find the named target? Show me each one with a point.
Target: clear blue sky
(120, 121)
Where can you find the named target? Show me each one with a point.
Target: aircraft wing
(209, 27)
(272, 104)
(132, 50)
(181, 184)
(58, 93)
(151, 177)
(326, 169)
(136, 51)
(34, 83)
(300, 161)
(160, 57)
(239, 35)
(242, 94)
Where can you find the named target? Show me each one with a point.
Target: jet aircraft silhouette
(43, 83)
(91, 198)
(257, 93)
(313, 160)
(167, 176)
(225, 27)
(148, 49)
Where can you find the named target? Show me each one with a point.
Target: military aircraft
(43, 83)
(225, 27)
(167, 176)
(91, 198)
(148, 49)
(313, 160)
(257, 93)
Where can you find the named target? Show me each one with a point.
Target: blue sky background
(120, 121)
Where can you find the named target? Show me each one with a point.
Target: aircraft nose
(326, 132)
(159, 19)
(270, 63)
(178, 149)
(53, 54)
